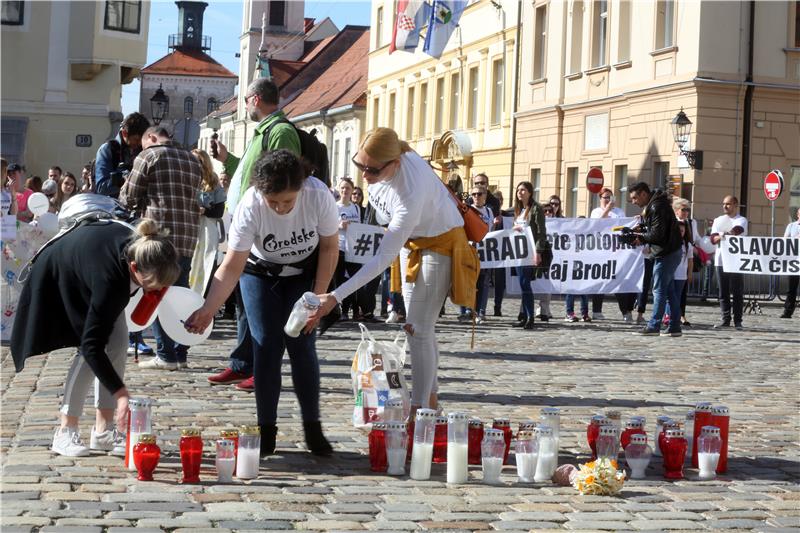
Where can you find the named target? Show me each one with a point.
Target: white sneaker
(481, 319)
(182, 365)
(394, 318)
(109, 440)
(67, 441)
(627, 318)
(598, 316)
(158, 363)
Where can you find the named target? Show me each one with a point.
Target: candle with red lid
(592, 432)
(146, 454)
(377, 447)
(191, 449)
(671, 424)
(504, 425)
(720, 417)
(632, 427)
(660, 421)
(474, 439)
(673, 449)
(440, 440)
(702, 417)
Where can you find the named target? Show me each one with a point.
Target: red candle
(377, 447)
(232, 435)
(674, 451)
(191, 447)
(440, 440)
(147, 306)
(410, 426)
(702, 417)
(721, 418)
(474, 439)
(633, 427)
(592, 432)
(146, 454)
(504, 425)
(663, 435)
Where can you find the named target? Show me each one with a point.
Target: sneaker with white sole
(598, 316)
(627, 318)
(109, 440)
(158, 363)
(67, 442)
(182, 365)
(393, 318)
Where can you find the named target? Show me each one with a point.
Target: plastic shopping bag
(377, 374)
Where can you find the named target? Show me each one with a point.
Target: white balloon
(38, 203)
(174, 309)
(707, 246)
(725, 224)
(133, 327)
(48, 223)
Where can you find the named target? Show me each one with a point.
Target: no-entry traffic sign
(594, 180)
(773, 185)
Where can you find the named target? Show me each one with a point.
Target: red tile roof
(343, 82)
(227, 107)
(282, 70)
(188, 63)
(311, 49)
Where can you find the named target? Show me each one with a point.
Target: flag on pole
(441, 24)
(411, 17)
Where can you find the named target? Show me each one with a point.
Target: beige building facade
(601, 81)
(455, 110)
(64, 64)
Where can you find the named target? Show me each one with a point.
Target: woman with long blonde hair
(212, 206)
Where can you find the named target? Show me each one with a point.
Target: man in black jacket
(662, 234)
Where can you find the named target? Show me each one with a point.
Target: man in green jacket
(261, 104)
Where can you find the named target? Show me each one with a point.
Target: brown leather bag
(474, 226)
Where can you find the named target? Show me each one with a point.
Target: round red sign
(773, 185)
(594, 180)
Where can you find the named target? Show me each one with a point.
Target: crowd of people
(285, 238)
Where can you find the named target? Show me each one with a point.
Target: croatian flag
(411, 17)
(441, 25)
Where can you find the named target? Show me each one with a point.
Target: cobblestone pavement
(581, 368)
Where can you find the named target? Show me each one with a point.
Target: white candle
(638, 466)
(708, 464)
(397, 461)
(526, 466)
(545, 466)
(421, 457)
(225, 467)
(134, 442)
(247, 463)
(295, 324)
(456, 462)
(491, 469)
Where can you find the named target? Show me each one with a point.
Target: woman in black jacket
(77, 291)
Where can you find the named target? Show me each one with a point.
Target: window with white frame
(536, 181)
(410, 113)
(423, 109)
(660, 174)
(335, 160)
(455, 100)
(572, 192)
(665, 21)
(539, 42)
(624, 34)
(599, 32)
(376, 110)
(576, 37)
(474, 85)
(391, 111)
(123, 15)
(437, 125)
(379, 27)
(347, 154)
(498, 91)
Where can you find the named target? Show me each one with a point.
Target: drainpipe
(515, 98)
(748, 111)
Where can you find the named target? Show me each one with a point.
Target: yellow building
(64, 64)
(601, 81)
(455, 110)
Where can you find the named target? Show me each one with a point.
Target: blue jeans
(525, 278)
(571, 304)
(268, 303)
(663, 276)
(677, 290)
(166, 348)
(241, 358)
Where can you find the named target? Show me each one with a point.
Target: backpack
(311, 149)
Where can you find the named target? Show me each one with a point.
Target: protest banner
(588, 258)
(768, 256)
(362, 241)
(507, 248)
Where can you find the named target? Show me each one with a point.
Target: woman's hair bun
(147, 228)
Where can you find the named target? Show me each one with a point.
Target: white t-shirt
(414, 203)
(289, 238)
(615, 212)
(682, 273)
(723, 224)
(792, 230)
(349, 213)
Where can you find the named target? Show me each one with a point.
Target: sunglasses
(373, 171)
(605, 197)
(477, 194)
(555, 203)
(685, 209)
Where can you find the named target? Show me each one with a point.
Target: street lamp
(681, 129)
(159, 106)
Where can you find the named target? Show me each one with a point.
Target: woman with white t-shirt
(348, 212)
(426, 229)
(284, 238)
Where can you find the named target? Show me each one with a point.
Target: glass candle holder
(632, 427)
(607, 443)
(527, 425)
(526, 453)
(504, 425)
(233, 436)
(720, 417)
(396, 442)
(249, 456)
(474, 438)
(393, 410)
(547, 458)
(671, 424)
(225, 460)
(637, 455)
(377, 447)
(140, 422)
(616, 420)
(440, 440)
(146, 455)
(191, 450)
(592, 432)
(492, 451)
(673, 448)
(457, 446)
(688, 429)
(422, 455)
(660, 421)
(708, 453)
(702, 417)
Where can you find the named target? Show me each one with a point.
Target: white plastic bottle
(303, 307)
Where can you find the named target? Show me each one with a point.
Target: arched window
(212, 105)
(188, 106)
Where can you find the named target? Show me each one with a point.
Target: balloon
(174, 309)
(133, 327)
(38, 204)
(48, 223)
(707, 246)
(725, 224)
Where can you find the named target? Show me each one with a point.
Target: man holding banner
(731, 223)
(792, 232)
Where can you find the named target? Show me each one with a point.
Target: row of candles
(459, 441)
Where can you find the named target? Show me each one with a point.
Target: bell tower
(190, 27)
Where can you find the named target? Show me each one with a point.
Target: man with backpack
(273, 132)
(115, 157)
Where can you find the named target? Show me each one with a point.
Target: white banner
(588, 258)
(363, 241)
(507, 248)
(767, 256)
